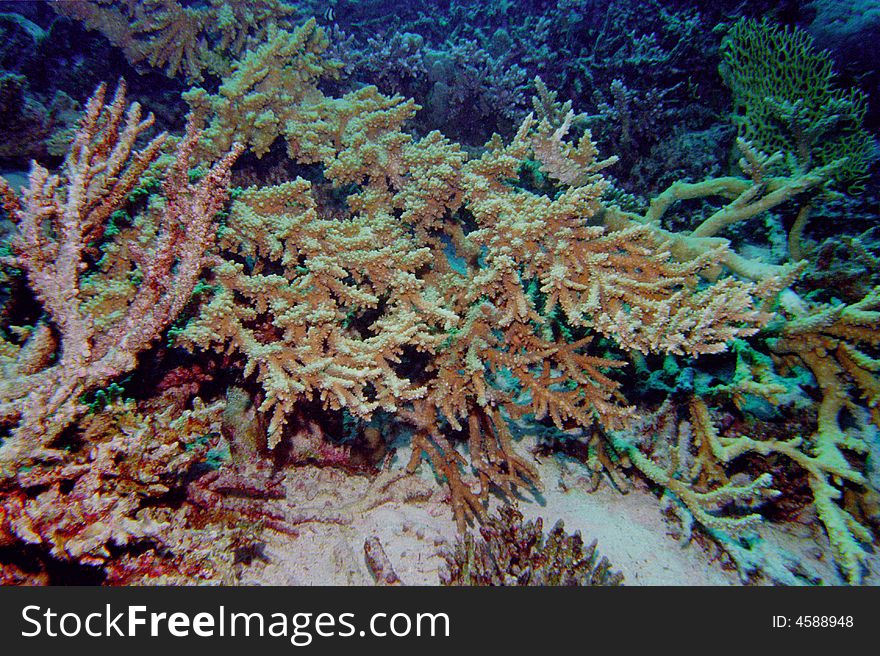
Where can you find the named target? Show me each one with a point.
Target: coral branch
(99, 316)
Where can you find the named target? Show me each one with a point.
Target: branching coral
(187, 40)
(744, 198)
(312, 279)
(94, 502)
(105, 302)
(273, 93)
(835, 343)
(622, 282)
(451, 259)
(406, 279)
(691, 465)
(695, 474)
(788, 102)
(510, 551)
(270, 90)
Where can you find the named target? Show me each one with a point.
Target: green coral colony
(434, 254)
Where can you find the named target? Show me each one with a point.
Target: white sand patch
(631, 531)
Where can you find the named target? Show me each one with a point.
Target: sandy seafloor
(632, 531)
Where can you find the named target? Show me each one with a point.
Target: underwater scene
(454, 292)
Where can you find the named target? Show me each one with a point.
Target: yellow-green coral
(787, 100)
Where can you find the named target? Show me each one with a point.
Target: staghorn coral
(460, 294)
(104, 302)
(270, 91)
(185, 40)
(745, 198)
(332, 309)
(836, 343)
(509, 551)
(693, 473)
(691, 463)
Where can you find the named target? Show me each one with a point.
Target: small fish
(329, 15)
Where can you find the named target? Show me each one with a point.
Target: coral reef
(420, 272)
(182, 39)
(342, 341)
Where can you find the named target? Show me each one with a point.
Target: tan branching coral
(272, 86)
(184, 40)
(104, 303)
(622, 282)
(273, 93)
(404, 280)
(312, 277)
(563, 161)
(329, 309)
(510, 551)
